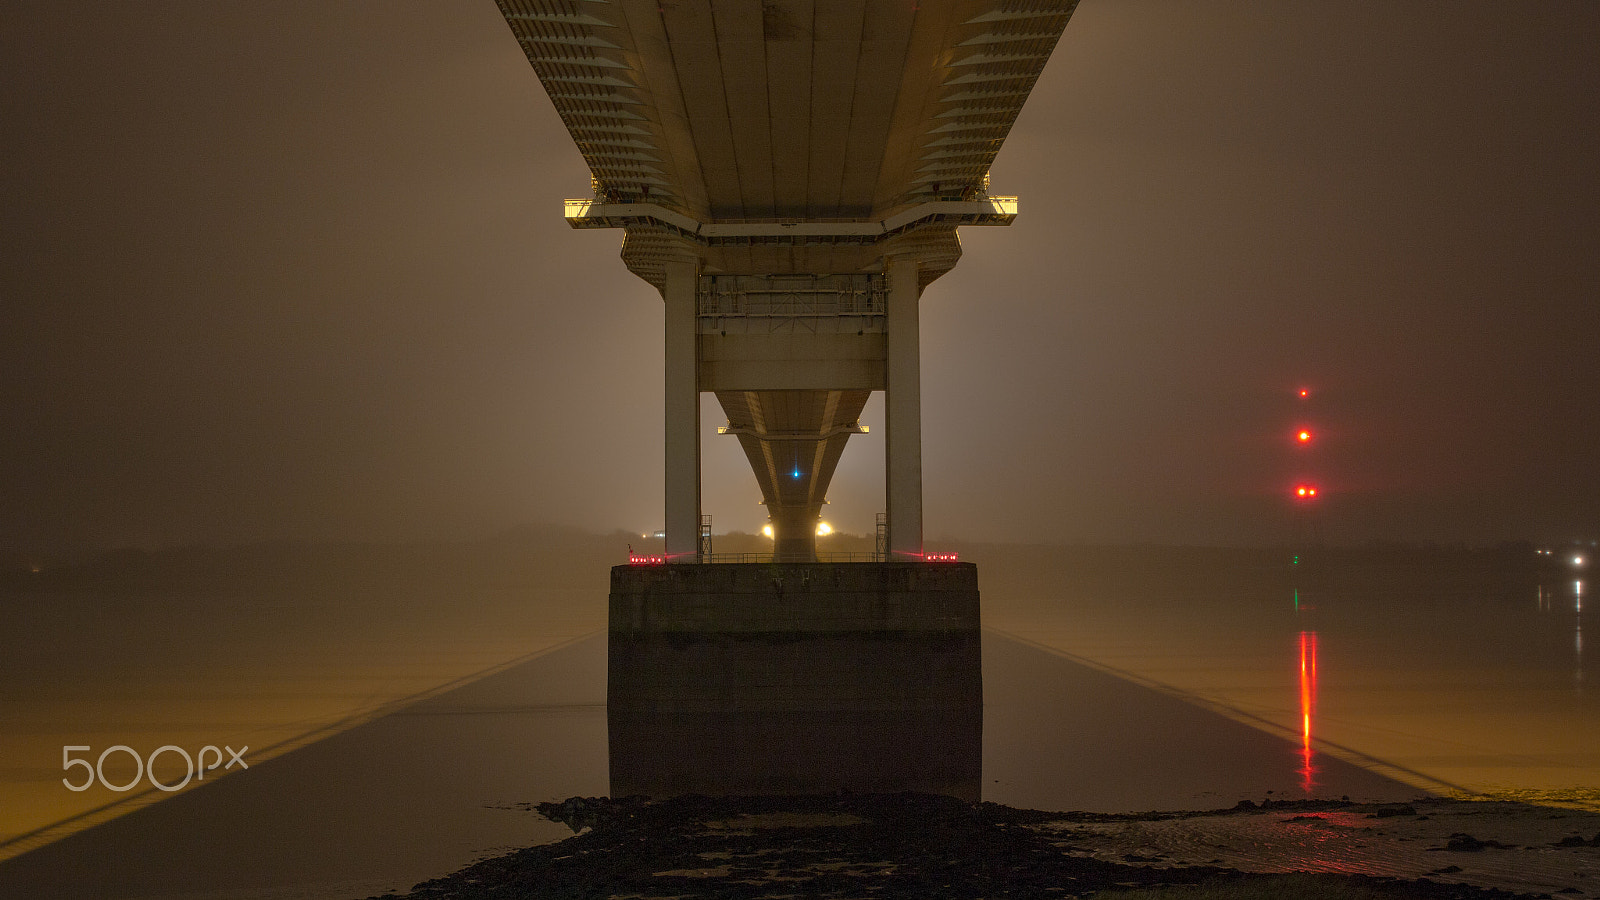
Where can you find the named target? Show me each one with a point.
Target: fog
(299, 272)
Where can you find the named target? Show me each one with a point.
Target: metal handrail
(769, 557)
(640, 559)
(657, 559)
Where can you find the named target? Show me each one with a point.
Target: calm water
(1449, 671)
(1113, 680)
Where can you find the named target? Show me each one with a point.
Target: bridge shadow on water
(449, 779)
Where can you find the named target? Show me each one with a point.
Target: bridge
(790, 175)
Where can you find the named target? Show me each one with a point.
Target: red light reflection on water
(1308, 704)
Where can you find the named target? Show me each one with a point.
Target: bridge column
(903, 405)
(794, 533)
(683, 412)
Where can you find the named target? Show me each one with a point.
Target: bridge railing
(656, 559)
(780, 558)
(640, 559)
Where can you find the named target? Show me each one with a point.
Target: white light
(1577, 560)
(766, 530)
(824, 528)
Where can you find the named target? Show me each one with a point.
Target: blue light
(797, 473)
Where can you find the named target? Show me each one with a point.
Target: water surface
(1113, 680)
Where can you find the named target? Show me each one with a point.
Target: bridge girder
(794, 110)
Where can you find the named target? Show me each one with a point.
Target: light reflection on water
(1435, 666)
(1577, 635)
(1308, 702)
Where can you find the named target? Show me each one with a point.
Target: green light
(1296, 561)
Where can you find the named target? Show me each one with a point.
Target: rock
(1466, 843)
(1385, 812)
(579, 813)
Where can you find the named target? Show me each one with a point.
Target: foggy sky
(299, 270)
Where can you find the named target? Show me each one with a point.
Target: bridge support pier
(793, 359)
(795, 679)
(794, 533)
(683, 412)
(903, 402)
(791, 280)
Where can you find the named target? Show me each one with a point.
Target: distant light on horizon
(823, 528)
(766, 531)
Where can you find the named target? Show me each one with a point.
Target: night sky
(298, 270)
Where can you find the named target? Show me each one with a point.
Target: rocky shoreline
(924, 846)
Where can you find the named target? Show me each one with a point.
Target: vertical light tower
(790, 174)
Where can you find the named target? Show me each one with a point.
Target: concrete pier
(795, 678)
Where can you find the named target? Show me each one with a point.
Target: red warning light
(1305, 491)
(1304, 392)
(1303, 436)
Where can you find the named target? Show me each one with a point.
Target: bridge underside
(790, 174)
(793, 440)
